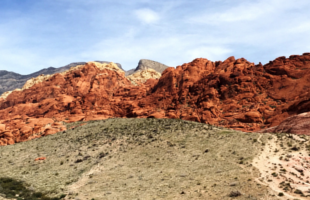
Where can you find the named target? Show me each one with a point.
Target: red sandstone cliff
(235, 93)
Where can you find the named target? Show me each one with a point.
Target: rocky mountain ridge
(10, 81)
(30, 82)
(235, 94)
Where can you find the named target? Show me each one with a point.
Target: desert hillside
(155, 158)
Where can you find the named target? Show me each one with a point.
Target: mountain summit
(148, 64)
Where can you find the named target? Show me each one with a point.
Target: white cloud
(242, 12)
(147, 15)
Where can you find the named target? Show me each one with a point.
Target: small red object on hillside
(40, 158)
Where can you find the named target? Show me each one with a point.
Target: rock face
(235, 93)
(296, 124)
(148, 64)
(10, 81)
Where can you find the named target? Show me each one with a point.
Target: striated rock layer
(235, 93)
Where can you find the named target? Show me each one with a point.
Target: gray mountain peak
(148, 64)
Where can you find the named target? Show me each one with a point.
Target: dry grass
(140, 159)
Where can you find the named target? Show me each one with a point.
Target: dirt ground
(284, 164)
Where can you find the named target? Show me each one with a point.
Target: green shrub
(11, 187)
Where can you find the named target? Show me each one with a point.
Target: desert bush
(11, 187)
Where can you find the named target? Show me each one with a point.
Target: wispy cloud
(146, 15)
(258, 30)
(243, 11)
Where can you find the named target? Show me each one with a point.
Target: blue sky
(36, 34)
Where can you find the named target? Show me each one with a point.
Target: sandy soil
(284, 171)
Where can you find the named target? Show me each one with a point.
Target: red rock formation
(235, 93)
(82, 94)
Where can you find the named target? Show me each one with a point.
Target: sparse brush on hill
(18, 190)
(137, 158)
(153, 158)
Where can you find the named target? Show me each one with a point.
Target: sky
(36, 34)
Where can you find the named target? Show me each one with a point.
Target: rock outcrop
(35, 80)
(235, 94)
(142, 76)
(296, 124)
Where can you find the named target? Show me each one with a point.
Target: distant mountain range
(11, 80)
